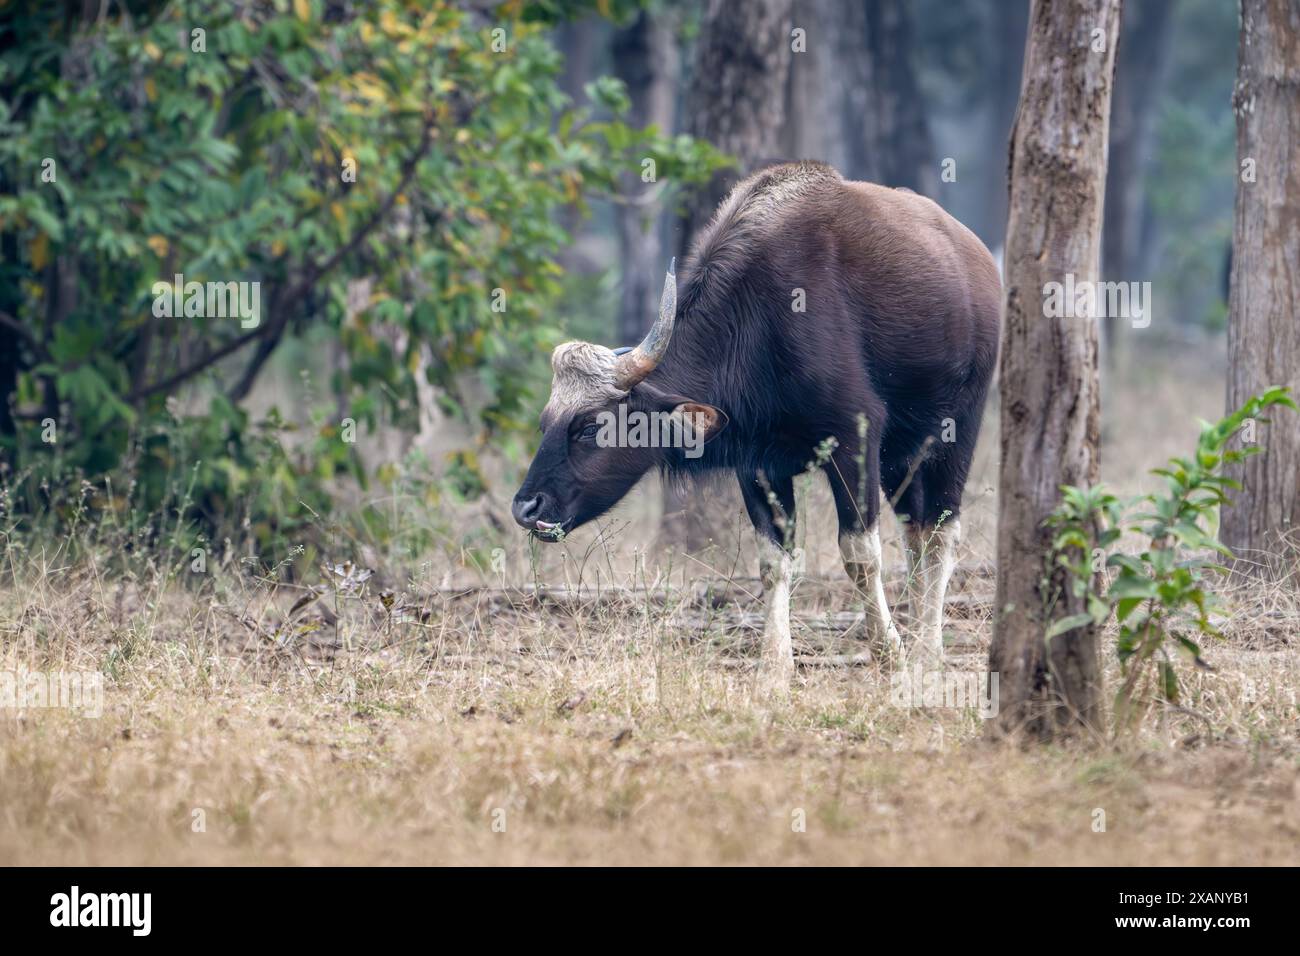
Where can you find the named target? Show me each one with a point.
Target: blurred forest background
(432, 195)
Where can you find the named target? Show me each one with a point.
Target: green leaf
(1168, 682)
(1069, 623)
(1130, 585)
(1126, 606)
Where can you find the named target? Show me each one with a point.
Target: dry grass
(601, 733)
(621, 730)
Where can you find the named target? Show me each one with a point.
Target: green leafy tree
(422, 147)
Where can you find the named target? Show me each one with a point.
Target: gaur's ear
(712, 420)
(696, 415)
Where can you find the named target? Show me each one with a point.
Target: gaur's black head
(604, 428)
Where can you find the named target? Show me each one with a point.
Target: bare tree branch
(210, 358)
(26, 334)
(271, 332)
(275, 331)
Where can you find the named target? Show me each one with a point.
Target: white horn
(641, 361)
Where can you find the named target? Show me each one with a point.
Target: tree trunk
(1140, 56)
(645, 56)
(1264, 300)
(812, 128)
(854, 100)
(852, 81)
(907, 153)
(735, 100)
(1048, 374)
(581, 41)
(1006, 26)
(10, 341)
(736, 95)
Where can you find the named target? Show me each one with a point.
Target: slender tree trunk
(10, 341)
(907, 152)
(1141, 54)
(1048, 376)
(1006, 25)
(581, 41)
(736, 95)
(735, 100)
(645, 56)
(812, 128)
(854, 98)
(1264, 300)
(10, 298)
(852, 81)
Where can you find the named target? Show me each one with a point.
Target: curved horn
(641, 361)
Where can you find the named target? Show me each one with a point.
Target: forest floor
(491, 727)
(612, 717)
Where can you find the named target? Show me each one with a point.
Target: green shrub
(1160, 597)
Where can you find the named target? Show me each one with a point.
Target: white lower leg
(915, 542)
(937, 551)
(776, 569)
(864, 563)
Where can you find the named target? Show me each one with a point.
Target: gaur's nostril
(528, 510)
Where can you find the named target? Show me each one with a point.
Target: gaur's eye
(588, 432)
